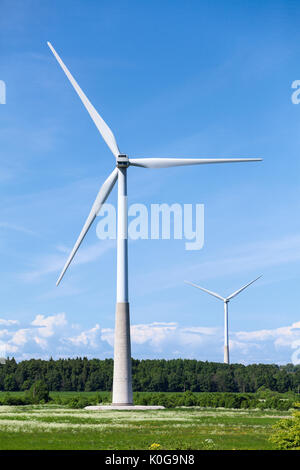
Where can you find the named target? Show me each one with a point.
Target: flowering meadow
(52, 426)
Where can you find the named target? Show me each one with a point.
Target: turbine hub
(122, 161)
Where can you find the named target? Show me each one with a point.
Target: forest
(157, 375)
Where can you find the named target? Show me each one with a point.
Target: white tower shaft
(122, 238)
(122, 380)
(226, 342)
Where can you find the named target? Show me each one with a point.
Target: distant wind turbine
(226, 302)
(122, 382)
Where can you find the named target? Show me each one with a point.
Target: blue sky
(172, 78)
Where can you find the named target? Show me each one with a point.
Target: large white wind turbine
(122, 384)
(226, 302)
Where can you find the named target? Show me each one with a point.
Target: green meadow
(53, 426)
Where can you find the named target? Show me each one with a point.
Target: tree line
(157, 375)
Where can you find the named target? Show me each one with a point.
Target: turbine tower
(122, 383)
(226, 301)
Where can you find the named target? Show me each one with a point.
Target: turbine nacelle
(122, 161)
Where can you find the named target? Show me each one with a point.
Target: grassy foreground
(58, 427)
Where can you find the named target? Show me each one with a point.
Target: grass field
(58, 427)
(59, 394)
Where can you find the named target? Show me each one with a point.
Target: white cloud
(107, 334)
(242, 347)
(4, 333)
(34, 338)
(49, 324)
(6, 349)
(53, 336)
(88, 337)
(283, 336)
(8, 322)
(154, 333)
(20, 337)
(41, 342)
(160, 335)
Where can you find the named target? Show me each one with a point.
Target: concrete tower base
(122, 382)
(226, 355)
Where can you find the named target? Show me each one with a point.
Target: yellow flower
(154, 446)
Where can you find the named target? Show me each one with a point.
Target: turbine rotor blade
(99, 201)
(241, 289)
(101, 125)
(170, 162)
(206, 290)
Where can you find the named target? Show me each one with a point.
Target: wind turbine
(226, 302)
(122, 383)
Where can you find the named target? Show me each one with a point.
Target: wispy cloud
(254, 257)
(17, 228)
(54, 263)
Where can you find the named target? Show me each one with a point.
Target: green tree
(38, 392)
(287, 432)
(26, 385)
(10, 383)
